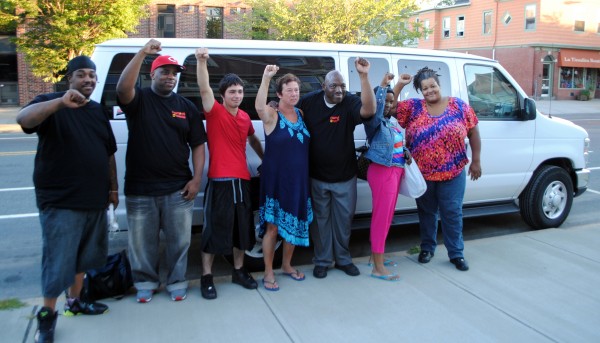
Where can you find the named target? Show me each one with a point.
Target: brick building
(551, 47)
(168, 18)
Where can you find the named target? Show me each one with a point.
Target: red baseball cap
(166, 60)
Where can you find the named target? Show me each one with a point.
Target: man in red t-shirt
(228, 219)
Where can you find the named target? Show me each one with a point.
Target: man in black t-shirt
(331, 115)
(160, 189)
(75, 177)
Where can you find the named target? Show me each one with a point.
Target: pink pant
(384, 182)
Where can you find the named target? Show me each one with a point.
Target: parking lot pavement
(537, 286)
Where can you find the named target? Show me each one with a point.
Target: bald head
(334, 87)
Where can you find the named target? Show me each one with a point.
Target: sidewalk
(538, 286)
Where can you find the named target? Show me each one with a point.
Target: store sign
(579, 58)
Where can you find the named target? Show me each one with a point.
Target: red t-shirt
(227, 137)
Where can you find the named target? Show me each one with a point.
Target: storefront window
(572, 77)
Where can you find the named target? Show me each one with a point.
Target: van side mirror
(528, 112)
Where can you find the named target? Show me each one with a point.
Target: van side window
(408, 66)
(490, 94)
(311, 70)
(109, 94)
(379, 66)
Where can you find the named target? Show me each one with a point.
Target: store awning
(579, 58)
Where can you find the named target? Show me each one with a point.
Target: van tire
(547, 199)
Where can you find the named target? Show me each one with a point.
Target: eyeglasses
(334, 86)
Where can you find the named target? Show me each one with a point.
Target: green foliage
(384, 22)
(11, 304)
(414, 250)
(8, 17)
(58, 30)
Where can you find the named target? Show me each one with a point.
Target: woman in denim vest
(388, 157)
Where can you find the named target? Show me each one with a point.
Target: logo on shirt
(180, 115)
(334, 119)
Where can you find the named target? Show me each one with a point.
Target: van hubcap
(554, 199)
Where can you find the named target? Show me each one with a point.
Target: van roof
(282, 45)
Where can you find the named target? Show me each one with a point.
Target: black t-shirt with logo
(71, 165)
(161, 132)
(332, 156)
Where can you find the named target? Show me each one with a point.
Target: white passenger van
(531, 163)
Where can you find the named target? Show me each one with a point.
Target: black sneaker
(460, 263)
(320, 272)
(243, 278)
(349, 269)
(207, 287)
(425, 256)
(75, 307)
(46, 319)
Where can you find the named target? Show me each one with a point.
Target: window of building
(506, 18)
(487, 22)
(530, 17)
(571, 77)
(214, 22)
(426, 33)
(579, 26)
(598, 28)
(446, 27)
(460, 26)
(166, 21)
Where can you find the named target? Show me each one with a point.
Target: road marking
(17, 216)
(17, 153)
(12, 138)
(16, 189)
(592, 191)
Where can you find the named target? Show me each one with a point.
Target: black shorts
(228, 217)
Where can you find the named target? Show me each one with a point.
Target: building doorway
(547, 77)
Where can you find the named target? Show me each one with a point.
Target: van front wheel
(547, 199)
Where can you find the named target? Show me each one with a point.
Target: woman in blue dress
(285, 204)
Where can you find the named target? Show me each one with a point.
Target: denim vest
(380, 134)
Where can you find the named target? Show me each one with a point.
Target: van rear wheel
(547, 199)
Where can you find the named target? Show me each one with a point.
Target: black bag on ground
(111, 281)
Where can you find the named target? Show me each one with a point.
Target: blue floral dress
(284, 182)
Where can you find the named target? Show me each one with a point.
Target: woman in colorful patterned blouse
(436, 128)
(285, 203)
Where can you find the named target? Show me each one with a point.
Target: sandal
(274, 286)
(386, 262)
(295, 275)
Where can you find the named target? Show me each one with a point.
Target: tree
(334, 21)
(58, 30)
(8, 18)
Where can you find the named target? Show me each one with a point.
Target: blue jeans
(445, 198)
(73, 242)
(146, 216)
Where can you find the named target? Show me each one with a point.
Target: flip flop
(297, 276)
(389, 277)
(386, 262)
(274, 286)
